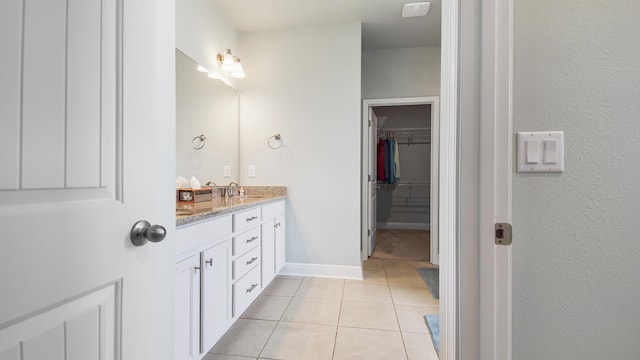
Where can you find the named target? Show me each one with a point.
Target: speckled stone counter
(254, 196)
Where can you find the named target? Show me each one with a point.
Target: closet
(403, 186)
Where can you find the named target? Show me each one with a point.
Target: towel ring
(276, 137)
(198, 142)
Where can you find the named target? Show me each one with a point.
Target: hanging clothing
(392, 163)
(387, 161)
(396, 160)
(380, 171)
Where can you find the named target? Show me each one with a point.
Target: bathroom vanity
(224, 259)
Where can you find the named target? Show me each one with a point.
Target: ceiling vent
(416, 9)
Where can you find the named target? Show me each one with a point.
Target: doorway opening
(403, 201)
(400, 179)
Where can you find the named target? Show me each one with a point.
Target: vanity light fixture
(237, 72)
(230, 63)
(213, 75)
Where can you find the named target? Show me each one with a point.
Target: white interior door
(372, 181)
(87, 150)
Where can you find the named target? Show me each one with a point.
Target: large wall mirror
(208, 107)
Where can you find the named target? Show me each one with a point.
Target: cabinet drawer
(245, 220)
(273, 210)
(209, 232)
(246, 241)
(245, 263)
(245, 291)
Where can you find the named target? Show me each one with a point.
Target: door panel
(372, 177)
(94, 101)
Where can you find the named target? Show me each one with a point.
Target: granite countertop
(254, 196)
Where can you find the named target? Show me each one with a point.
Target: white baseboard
(321, 270)
(403, 226)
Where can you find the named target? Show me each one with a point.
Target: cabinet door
(280, 243)
(268, 252)
(216, 294)
(187, 309)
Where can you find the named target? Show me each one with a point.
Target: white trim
(322, 270)
(447, 206)
(495, 311)
(403, 226)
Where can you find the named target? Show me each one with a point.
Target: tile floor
(295, 318)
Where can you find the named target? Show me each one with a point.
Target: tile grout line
(395, 311)
(335, 338)
(280, 318)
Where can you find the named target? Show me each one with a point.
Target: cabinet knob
(142, 232)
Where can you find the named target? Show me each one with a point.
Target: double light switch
(541, 151)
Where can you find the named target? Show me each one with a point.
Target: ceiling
(382, 24)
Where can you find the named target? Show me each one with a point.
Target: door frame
(367, 104)
(482, 325)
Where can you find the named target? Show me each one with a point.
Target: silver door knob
(143, 231)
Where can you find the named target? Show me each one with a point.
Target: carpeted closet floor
(394, 244)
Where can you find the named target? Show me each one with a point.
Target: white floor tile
(292, 341)
(368, 344)
(366, 293)
(312, 311)
(368, 315)
(245, 338)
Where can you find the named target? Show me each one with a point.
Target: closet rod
(404, 129)
(405, 184)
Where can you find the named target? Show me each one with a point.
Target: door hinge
(503, 234)
(368, 232)
(368, 177)
(369, 123)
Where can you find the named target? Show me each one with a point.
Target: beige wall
(576, 248)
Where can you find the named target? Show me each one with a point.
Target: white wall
(405, 72)
(576, 248)
(202, 32)
(293, 87)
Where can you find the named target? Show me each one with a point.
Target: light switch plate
(541, 151)
(227, 171)
(252, 171)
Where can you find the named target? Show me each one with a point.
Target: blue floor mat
(433, 323)
(431, 277)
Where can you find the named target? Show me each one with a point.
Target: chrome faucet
(228, 192)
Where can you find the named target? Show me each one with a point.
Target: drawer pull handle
(252, 260)
(252, 239)
(209, 262)
(252, 218)
(253, 286)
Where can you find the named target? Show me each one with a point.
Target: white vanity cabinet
(222, 265)
(203, 286)
(273, 240)
(215, 294)
(187, 315)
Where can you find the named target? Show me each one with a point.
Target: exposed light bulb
(202, 68)
(213, 75)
